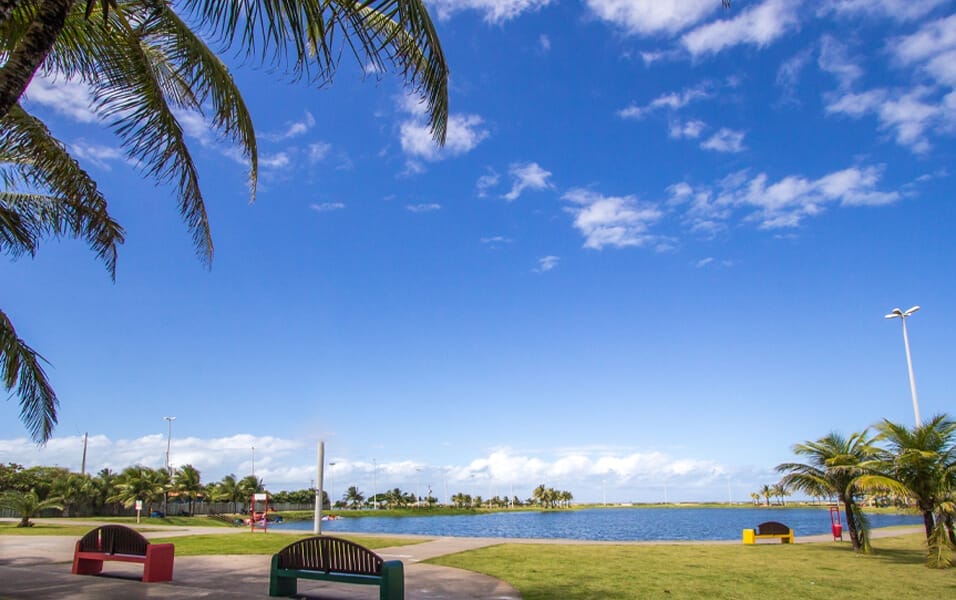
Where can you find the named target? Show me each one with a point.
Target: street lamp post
(253, 462)
(331, 485)
(169, 472)
(901, 315)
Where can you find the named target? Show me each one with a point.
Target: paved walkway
(39, 567)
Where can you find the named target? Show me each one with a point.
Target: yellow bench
(769, 531)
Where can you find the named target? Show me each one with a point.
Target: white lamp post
(901, 315)
(331, 485)
(253, 461)
(169, 438)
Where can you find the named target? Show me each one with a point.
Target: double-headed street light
(169, 437)
(901, 315)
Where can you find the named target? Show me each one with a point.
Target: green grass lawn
(10, 528)
(260, 543)
(702, 572)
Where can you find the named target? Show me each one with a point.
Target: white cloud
(933, 47)
(618, 221)
(486, 182)
(757, 25)
(652, 17)
(777, 204)
(278, 160)
(493, 11)
(526, 176)
(834, 60)
(689, 129)
(912, 115)
(544, 42)
(96, 154)
(673, 101)
(704, 262)
(547, 263)
(318, 151)
(725, 140)
(421, 208)
(327, 206)
(788, 74)
(463, 134)
(67, 97)
(495, 240)
(293, 129)
(900, 10)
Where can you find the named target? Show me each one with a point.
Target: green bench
(326, 558)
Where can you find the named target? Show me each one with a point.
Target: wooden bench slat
(327, 558)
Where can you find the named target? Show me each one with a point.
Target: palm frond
(70, 204)
(20, 368)
(306, 37)
(132, 88)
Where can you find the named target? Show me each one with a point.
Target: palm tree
(140, 483)
(836, 466)
(767, 492)
(142, 64)
(353, 497)
(105, 485)
(187, 483)
(755, 497)
(920, 464)
(228, 490)
(28, 504)
(73, 491)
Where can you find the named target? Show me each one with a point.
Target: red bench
(116, 542)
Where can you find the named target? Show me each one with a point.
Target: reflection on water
(603, 524)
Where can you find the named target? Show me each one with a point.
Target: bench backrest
(772, 528)
(114, 539)
(326, 553)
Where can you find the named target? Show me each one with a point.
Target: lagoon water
(616, 524)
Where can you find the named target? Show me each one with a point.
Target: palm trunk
(928, 522)
(31, 50)
(851, 524)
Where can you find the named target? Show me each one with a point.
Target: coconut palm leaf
(33, 159)
(20, 368)
(306, 39)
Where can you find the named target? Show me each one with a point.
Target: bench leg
(159, 563)
(87, 566)
(393, 581)
(282, 586)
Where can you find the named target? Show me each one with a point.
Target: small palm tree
(836, 466)
(353, 497)
(187, 483)
(920, 464)
(28, 504)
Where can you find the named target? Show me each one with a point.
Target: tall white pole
(317, 524)
(896, 313)
(909, 366)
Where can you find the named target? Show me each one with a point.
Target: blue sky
(655, 253)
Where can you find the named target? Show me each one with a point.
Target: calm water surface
(603, 524)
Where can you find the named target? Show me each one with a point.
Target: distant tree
(27, 504)
(105, 485)
(73, 491)
(767, 492)
(755, 496)
(141, 483)
(353, 497)
(188, 484)
(228, 490)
